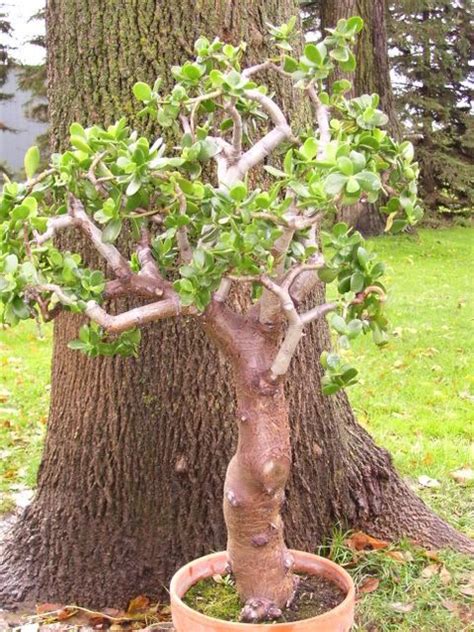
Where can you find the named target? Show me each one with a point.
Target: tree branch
(224, 326)
(293, 333)
(54, 289)
(317, 312)
(53, 225)
(323, 120)
(109, 252)
(39, 178)
(303, 283)
(78, 217)
(100, 188)
(267, 144)
(184, 247)
(196, 102)
(222, 292)
(252, 70)
(135, 317)
(237, 128)
(269, 303)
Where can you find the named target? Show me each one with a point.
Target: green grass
(416, 396)
(421, 385)
(416, 592)
(25, 361)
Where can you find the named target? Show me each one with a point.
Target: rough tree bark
(132, 476)
(372, 75)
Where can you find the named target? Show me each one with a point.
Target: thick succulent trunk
(254, 492)
(254, 488)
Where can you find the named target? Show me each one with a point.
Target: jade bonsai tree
(223, 226)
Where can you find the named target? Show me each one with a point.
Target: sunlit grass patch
(405, 588)
(416, 395)
(25, 361)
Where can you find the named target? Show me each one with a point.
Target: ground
(416, 396)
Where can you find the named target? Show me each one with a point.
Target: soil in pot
(216, 597)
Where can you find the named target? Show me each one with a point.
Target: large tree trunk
(372, 75)
(132, 476)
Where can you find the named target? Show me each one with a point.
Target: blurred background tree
(5, 65)
(424, 49)
(23, 103)
(431, 54)
(421, 47)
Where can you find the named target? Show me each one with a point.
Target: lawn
(416, 396)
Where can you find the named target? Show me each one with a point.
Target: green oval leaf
(313, 54)
(79, 143)
(357, 282)
(31, 161)
(112, 231)
(355, 24)
(142, 91)
(238, 192)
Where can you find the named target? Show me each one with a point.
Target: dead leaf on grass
(463, 476)
(55, 611)
(427, 481)
(361, 541)
(404, 608)
(450, 605)
(398, 556)
(445, 576)
(369, 585)
(138, 604)
(439, 570)
(467, 590)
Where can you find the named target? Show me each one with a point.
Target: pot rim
(299, 556)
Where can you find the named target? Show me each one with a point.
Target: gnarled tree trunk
(257, 474)
(132, 477)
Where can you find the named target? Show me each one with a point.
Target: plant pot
(186, 619)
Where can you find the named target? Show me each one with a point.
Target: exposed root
(257, 610)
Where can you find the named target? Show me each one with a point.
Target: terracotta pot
(186, 619)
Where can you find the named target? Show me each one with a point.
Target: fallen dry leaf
(398, 606)
(55, 611)
(369, 585)
(463, 476)
(432, 555)
(139, 604)
(467, 589)
(430, 571)
(445, 576)
(452, 606)
(426, 481)
(439, 570)
(41, 608)
(114, 613)
(361, 541)
(398, 556)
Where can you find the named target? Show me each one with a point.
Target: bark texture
(257, 474)
(372, 75)
(132, 476)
